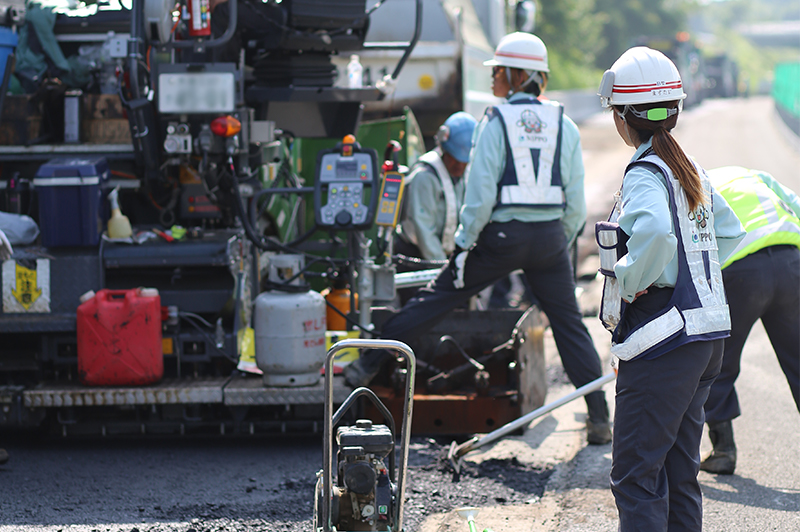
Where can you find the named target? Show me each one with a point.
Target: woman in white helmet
(663, 298)
(524, 203)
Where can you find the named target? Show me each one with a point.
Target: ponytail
(668, 149)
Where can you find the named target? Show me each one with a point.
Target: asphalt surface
(545, 480)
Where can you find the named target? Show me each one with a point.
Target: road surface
(545, 480)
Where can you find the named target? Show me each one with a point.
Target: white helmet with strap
(641, 75)
(520, 50)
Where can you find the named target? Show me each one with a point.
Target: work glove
(457, 261)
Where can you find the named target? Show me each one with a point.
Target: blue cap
(455, 135)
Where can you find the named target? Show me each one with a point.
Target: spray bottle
(118, 225)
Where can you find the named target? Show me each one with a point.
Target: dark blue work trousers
(658, 424)
(540, 250)
(765, 286)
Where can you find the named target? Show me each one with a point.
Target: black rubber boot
(598, 427)
(722, 459)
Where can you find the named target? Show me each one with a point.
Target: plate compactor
(370, 479)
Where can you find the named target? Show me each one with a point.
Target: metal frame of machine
(193, 162)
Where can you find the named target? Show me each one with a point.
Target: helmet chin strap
(533, 76)
(625, 126)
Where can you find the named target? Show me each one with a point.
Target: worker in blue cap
(435, 193)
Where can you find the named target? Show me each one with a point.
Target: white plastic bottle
(355, 73)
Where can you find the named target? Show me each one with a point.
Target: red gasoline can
(119, 338)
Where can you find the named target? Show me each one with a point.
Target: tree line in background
(584, 37)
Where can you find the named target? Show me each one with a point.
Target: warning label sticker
(26, 286)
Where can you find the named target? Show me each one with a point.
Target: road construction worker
(434, 195)
(663, 298)
(435, 192)
(762, 280)
(524, 203)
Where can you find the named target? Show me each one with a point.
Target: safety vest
(532, 176)
(433, 161)
(768, 220)
(698, 309)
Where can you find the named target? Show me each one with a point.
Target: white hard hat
(520, 50)
(641, 75)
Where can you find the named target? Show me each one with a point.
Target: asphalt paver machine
(193, 115)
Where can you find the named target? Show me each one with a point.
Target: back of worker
(762, 280)
(663, 299)
(524, 202)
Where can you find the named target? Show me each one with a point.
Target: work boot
(3, 456)
(722, 459)
(356, 376)
(598, 427)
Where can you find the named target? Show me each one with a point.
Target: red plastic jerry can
(119, 338)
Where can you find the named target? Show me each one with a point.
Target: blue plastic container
(72, 201)
(8, 42)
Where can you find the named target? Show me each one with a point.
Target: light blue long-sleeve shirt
(487, 164)
(652, 257)
(425, 210)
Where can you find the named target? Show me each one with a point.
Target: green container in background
(786, 92)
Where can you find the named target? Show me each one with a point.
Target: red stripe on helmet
(519, 56)
(629, 89)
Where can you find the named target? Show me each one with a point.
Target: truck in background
(445, 72)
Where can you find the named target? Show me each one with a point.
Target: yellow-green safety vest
(768, 220)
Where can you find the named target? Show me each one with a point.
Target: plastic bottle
(355, 73)
(339, 297)
(118, 225)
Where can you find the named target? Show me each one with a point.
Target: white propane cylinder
(290, 337)
(290, 329)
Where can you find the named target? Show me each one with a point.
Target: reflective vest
(768, 220)
(698, 309)
(532, 176)
(433, 161)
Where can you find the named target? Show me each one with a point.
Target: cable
(207, 337)
(267, 243)
(198, 317)
(420, 263)
(350, 321)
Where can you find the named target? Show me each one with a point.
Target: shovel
(456, 452)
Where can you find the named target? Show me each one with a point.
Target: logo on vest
(531, 122)
(700, 217)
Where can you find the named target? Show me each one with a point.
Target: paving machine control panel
(346, 187)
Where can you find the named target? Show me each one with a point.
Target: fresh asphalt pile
(219, 485)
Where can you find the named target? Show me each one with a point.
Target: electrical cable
(264, 243)
(419, 263)
(352, 322)
(207, 337)
(198, 317)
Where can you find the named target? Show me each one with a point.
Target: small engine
(364, 492)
